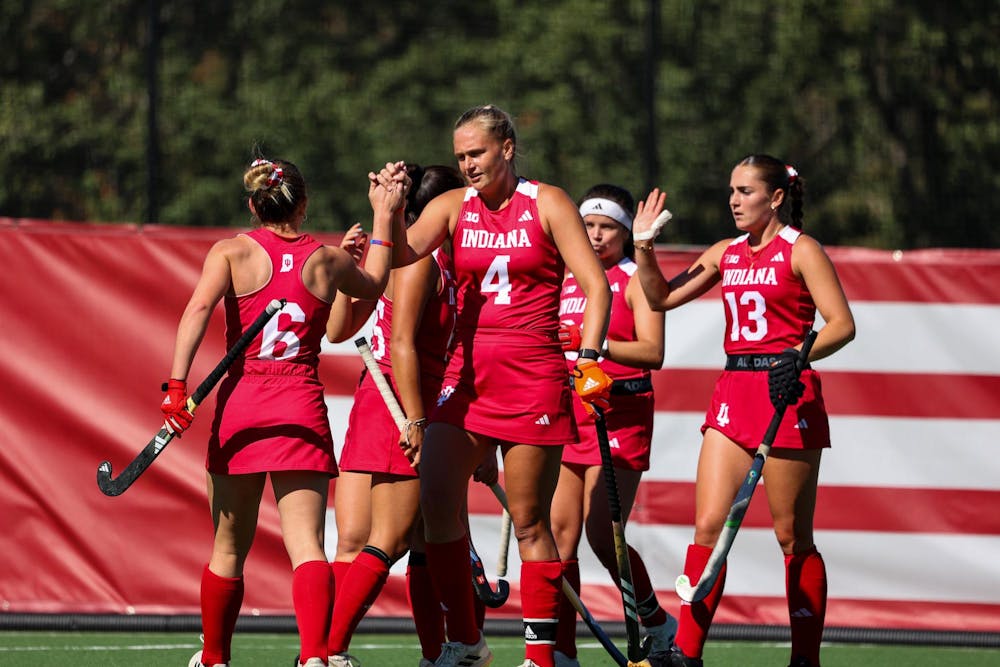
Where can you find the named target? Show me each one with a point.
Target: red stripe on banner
(851, 393)
(861, 508)
(846, 393)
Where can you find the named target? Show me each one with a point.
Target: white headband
(606, 207)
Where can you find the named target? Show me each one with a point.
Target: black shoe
(799, 661)
(673, 658)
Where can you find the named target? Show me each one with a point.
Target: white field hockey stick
(574, 599)
(697, 592)
(489, 597)
(118, 485)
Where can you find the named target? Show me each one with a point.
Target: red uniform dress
(630, 420)
(271, 414)
(507, 376)
(371, 443)
(768, 309)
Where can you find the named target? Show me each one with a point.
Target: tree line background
(149, 110)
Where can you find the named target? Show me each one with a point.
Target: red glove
(593, 385)
(174, 407)
(569, 336)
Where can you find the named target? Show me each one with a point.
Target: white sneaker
(663, 635)
(339, 660)
(313, 662)
(457, 654)
(530, 663)
(195, 661)
(563, 660)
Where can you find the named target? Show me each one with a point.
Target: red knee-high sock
(339, 568)
(451, 573)
(650, 611)
(221, 599)
(566, 634)
(427, 615)
(312, 596)
(696, 617)
(541, 589)
(805, 586)
(355, 594)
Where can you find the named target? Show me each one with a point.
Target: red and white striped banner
(907, 519)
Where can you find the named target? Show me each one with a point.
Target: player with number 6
(271, 417)
(774, 279)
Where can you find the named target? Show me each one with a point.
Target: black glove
(783, 382)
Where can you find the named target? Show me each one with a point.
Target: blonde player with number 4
(505, 386)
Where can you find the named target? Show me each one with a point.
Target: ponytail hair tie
(276, 177)
(792, 174)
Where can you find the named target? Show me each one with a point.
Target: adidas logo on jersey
(525, 217)
(803, 424)
(615, 288)
(779, 257)
(543, 420)
(802, 613)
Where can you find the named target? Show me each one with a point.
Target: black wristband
(589, 353)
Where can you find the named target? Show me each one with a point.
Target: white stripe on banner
(898, 337)
(867, 451)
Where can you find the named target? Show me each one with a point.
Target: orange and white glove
(593, 385)
(174, 407)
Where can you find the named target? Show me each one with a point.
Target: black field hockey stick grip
(116, 486)
(637, 651)
(574, 599)
(698, 591)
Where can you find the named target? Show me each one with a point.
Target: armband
(387, 244)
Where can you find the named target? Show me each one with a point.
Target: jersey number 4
(497, 280)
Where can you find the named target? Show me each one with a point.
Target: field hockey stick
(116, 486)
(637, 649)
(482, 587)
(595, 628)
(694, 593)
(505, 527)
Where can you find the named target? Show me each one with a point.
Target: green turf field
(61, 649)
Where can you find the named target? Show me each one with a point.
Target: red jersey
(296, 333)
(768, 308)
(508, 269)
(271, 413)
(437, 325)
(509, 275)
(621, 325)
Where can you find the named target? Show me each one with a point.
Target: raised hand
(650, 216)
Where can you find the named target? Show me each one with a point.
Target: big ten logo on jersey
(471, 217)
(279, 341)
(286, 262)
